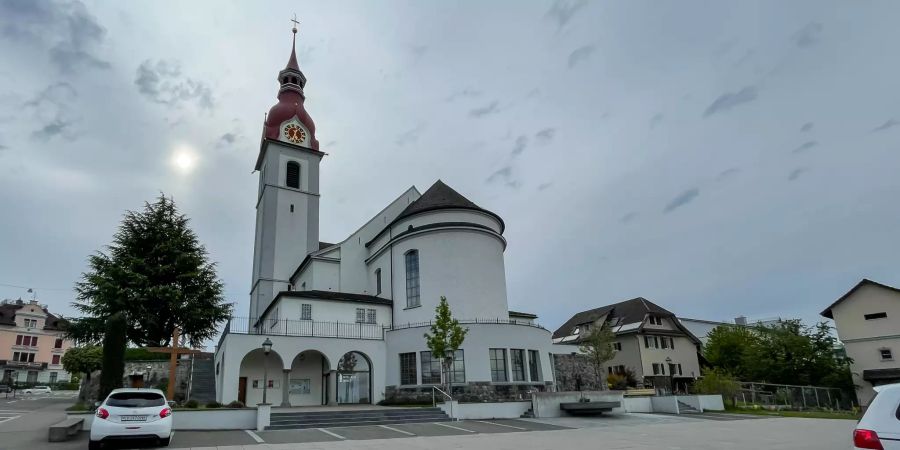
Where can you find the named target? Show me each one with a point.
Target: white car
(879, 427)
(132, 414)
(37, 390)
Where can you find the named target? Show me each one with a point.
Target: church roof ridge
(442, 196)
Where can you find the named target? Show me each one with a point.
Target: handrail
(526, 323)
(434, 401)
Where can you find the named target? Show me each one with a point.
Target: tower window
(378, 281)
(412, 279)
(292, 180)
(292, 207)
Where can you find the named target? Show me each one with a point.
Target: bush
(142, 354)
(617, 381)
(191, 404)
(80, 406)
(235, 404)
(717, 381)
(213, 404)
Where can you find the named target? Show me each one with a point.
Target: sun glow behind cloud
(184, 159)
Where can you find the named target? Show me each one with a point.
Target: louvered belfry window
(293, 175)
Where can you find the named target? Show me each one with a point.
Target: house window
(412, 279)
(305, 311)
(873, 316)
(378, 281)
(617, 346)
(498, 364)
(679, 369)
(408, 368)
(370, 316)
(665, 342)
(646, 341)
(534, 365)
(659, 369)
(55, 359)
(458, 367)
(292, 177)
(58, 343)
(431, 369)
(53, 376)
(518, 364)
(30, 323)
(360, 315)
(19, 339)
(672, 343)
(886, 354)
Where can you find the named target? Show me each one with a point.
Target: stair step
(333, 420)
(360, 412)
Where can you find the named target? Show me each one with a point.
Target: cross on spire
(296, 22)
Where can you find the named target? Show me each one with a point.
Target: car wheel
(94, 445)
(165, 442)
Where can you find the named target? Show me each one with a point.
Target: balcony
(304, 328)
(10, 364)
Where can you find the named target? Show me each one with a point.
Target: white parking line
(502, 425)
(455, 428)
(329, 432)
(255, 437)
(399, 431)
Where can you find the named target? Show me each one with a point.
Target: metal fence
(794, 397)
(401, 326)
(305, 328)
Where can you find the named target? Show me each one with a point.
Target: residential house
(650, 341)
(32, 343)
(867, 319)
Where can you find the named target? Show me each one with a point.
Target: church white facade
(346, 320)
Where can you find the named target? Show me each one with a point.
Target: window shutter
(292, 178)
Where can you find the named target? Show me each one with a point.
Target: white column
(332, 387)
(286, 389)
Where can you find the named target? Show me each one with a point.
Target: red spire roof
(290, 100)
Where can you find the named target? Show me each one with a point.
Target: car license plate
(134, 418)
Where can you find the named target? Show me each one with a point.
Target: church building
(345, 321)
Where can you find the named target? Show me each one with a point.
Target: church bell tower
(287, 206)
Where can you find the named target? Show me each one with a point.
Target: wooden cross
(174, 351)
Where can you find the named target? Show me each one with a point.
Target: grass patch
(845, 415)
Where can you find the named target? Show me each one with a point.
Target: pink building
(31, 343)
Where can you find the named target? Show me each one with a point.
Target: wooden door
(242, 390)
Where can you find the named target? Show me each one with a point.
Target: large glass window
(431, 369)
(534, 365)
(498, 364)
(360, 315)
(354, 382)
(408, 368)
(458, 368)
(370, 316)
(305, 311)
(518, 364)
(378, 281)
(412, 279)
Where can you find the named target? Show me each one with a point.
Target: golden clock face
(294, 133)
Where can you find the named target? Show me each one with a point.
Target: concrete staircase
(684, 408)
(380, 416)
(203, 381)
(528, 414)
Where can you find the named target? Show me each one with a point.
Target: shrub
(617, 381)
(213, 404)
(235, 404)
(717, 381)
(191, 404)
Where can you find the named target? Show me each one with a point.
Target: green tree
(728, 346)
(113, 354)
(83, 360)
(158, 274)
(445, 338)
(597, 346)
(717, 381)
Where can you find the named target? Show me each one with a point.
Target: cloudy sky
(718, 158)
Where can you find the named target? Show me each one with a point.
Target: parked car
(37, 390)
(131, 414)
(879, 427)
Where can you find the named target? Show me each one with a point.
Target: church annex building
(346, 320)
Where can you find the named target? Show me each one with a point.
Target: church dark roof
(438, 196)
(630, 311)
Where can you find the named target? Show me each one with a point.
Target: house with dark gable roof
(866, 319)
(650, 341)
(32, 342)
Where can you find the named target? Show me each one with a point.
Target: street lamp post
(267, 347)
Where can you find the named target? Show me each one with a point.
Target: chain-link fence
(794, 397)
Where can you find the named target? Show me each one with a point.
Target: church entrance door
(353, 379)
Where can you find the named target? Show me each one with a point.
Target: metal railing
(435, 389)
(304, 328)
(401, 326)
